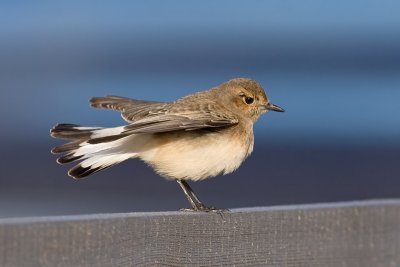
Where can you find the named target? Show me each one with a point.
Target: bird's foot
(204, 209)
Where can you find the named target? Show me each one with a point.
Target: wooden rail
(363, 233)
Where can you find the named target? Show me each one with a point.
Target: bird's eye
(248, 100)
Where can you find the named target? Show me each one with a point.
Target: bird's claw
(204, 209)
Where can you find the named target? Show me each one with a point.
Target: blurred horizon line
(122, 54)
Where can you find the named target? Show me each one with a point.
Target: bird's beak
(273, 107)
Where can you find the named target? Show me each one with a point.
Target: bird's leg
(190, 195)
(194, 201)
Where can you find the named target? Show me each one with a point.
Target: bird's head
(249, 97)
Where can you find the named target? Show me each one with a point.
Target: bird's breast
(198, 155)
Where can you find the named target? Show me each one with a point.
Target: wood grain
(364, 233)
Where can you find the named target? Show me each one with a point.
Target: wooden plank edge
(102, 216)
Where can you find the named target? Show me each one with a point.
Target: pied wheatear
(196, 137)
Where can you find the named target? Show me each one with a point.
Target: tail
(97, 148)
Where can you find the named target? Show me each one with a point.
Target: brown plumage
(194, 138)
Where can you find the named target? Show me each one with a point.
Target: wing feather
(159, 117)
(131, 109)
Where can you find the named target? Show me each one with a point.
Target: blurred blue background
(334, 66)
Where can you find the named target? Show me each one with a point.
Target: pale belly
(189, 156)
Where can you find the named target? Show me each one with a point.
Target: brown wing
(158, 117)
(131, 109)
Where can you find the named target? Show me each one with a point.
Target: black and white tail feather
(98, 148)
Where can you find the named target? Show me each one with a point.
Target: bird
(196, 137)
